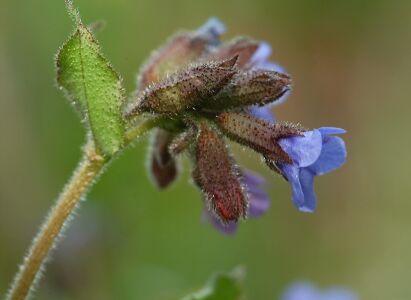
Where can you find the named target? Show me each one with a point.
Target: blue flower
(316, 153)
(306, 291)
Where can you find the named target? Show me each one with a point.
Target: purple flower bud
(162, 166)
(216, 175)
(259, 202)
(250, 88)
(260, 61)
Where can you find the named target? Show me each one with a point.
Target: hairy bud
(163, 167)
(254, 87)
(175, 55)
(257, 134)
(216, 175)
(184, 90)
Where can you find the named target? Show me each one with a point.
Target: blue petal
(261, 55)
(300, 291)
(262, 112)
(259, 60)
(333, 156)
(258, 206)
(307, 291)
(303, 150)
(229, 229)
(259, 201)
(307, 185)
(253, 179)
(213, 28)
(292, 173)
(331, 130)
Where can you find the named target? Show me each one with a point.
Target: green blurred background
(351, 64)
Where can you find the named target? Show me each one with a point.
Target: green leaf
(222, 286)
(92, 85)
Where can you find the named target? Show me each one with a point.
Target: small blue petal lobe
(261, 55)
(333, 156)
(228, 229)
(292, 173)
(307, 185)
(262, 112)
(331, 130)
(213, 28)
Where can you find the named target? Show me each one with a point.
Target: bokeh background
(351, 64)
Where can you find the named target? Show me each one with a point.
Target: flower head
(209, 92)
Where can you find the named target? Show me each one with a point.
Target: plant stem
(87, 171)
(133, 133)
(85, 175)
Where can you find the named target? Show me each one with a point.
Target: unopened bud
(216, 175)
(184, 90)
(176, 54)
(254, 87)
(162, 165)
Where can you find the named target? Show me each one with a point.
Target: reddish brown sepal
(215, 174)
(257, 134)
(163, 167)
(254, 87)
(184, 90)
(176, 54)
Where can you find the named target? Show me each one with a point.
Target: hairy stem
(86, 174)
(87, 171)
(133, 133)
